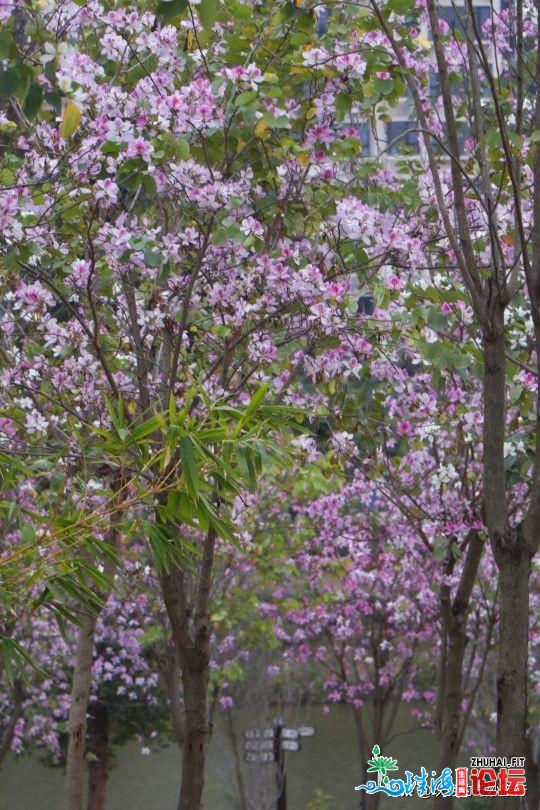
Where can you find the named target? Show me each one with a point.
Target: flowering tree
(185, 229)
(162, 278)
(484, 203)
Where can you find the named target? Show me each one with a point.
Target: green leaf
(34, 100)
(245, 98)
(244, 459)
(183, 149)
(148, 427)
(383, 86)
(7, 45)
(400, 6)
(343, 103)
(9, 82)
(239, 10)
(253, 405)
(14, 658)
(208, 11)
(189, 466)
(152, 258)
(167, 9)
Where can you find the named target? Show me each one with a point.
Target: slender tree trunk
(512, 554)
(195, 675)
(514, 571)
(453, 694)
(172, 676)
(80, 693)
(190, 624)
(365, 800)
(99, 749)
(455, 630)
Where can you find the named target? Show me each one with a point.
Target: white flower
(35, 422)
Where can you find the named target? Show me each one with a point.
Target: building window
(456, 16)
(365, 137)
(321, 27)
(401, 136)
(481, 14)
(366, 305)
(358, 130)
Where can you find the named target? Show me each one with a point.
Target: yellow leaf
(188, 42)
(304, 158)
(262, 128)
(311, 113)
(240, 145)
(423, 42)
(70, 120)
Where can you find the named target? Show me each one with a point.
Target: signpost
(259, 745)
(291, 745)
(270, 745)
(262, 756)
(254, 734)
(290, 733)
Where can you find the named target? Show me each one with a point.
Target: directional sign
(289, 733)
(290, 745)
(256, 733)
(259, 745)
(262, 756)
(306, 731)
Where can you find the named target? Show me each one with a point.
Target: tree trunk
(99, 750)
(512, 554)
(365, 800)
(80, 694)
(195, 675)
(455, 630)
(190, 626)
(514, 570)
(172, 675)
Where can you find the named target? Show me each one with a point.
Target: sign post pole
(281, 777)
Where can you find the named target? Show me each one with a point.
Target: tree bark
(99, 749)
(190, 626)
(80, 694)
(195, 675)
(514, 570)
(172, 676)
(365, 800)
(512, 554)
(455, 631)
